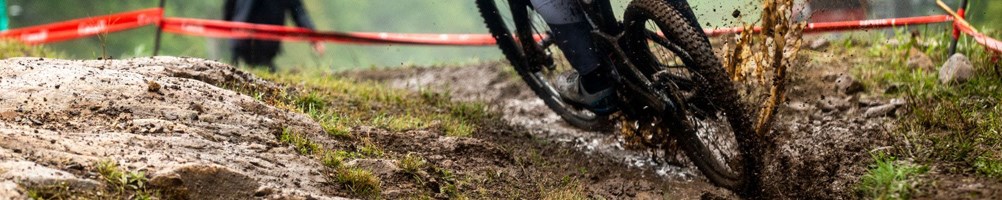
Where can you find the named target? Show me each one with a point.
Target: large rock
(205, 181)
(151, 114)
(958, 69)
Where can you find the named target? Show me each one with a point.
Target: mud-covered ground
(177, 122)
(823, 135)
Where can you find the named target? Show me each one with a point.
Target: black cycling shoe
(569, 87)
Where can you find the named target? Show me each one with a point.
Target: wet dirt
(819, 149)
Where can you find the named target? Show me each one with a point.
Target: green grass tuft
(359, 181)
(889, 179)
(412, 163)
(303, 145)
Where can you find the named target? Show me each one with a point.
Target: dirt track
(171, 118)
(823, 136)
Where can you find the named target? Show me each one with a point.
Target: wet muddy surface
(822, 137)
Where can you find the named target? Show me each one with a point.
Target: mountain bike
(670, 87)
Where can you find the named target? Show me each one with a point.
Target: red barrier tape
(988, 42)
(848, 25)
(85, 27)
(224, 29)
(79, 28)
(240, 30)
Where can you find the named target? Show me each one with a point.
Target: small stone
(878, 111)
(833, 104)
(846, 84)
(884, 110)
(919, 60)
(380, 167)
(819, 43)
(958, 69)
(800, 106)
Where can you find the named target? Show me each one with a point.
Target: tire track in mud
(818, 152)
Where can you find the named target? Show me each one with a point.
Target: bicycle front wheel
(708, 121)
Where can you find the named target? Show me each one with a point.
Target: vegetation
(341, 105)
(118, 184)
(412, 163)
(889, 178)
(957, 127)
(16, 49)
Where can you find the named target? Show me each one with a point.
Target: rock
(819, 43)
(800, 106)
(205, 181)
(846, 84)
(828, 104)
(9, 190)
(919, 60)
(32, 174)
(104, 110)
(380, 167)
(884, 110)
(958, 69)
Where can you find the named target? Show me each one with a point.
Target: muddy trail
(822, 137)
(180, 128)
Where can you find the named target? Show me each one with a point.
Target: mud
(818, 152)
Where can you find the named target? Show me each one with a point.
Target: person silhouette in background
(273, 12)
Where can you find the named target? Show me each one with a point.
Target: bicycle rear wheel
(707, 121)
(534, 57)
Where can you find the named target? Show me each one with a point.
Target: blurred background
(404, 16)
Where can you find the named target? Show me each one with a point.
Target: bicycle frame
(607, 33)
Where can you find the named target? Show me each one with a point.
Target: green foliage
(955, 125)
(888, 179)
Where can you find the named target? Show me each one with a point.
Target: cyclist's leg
(572, 34)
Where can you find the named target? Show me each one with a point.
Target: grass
(118, 184)
(300, 143)
(359, 181)
(341, 105)
(957, 127)
(10, 48)
(889, 179)
(412, 163)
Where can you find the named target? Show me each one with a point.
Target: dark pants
(255, 53)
